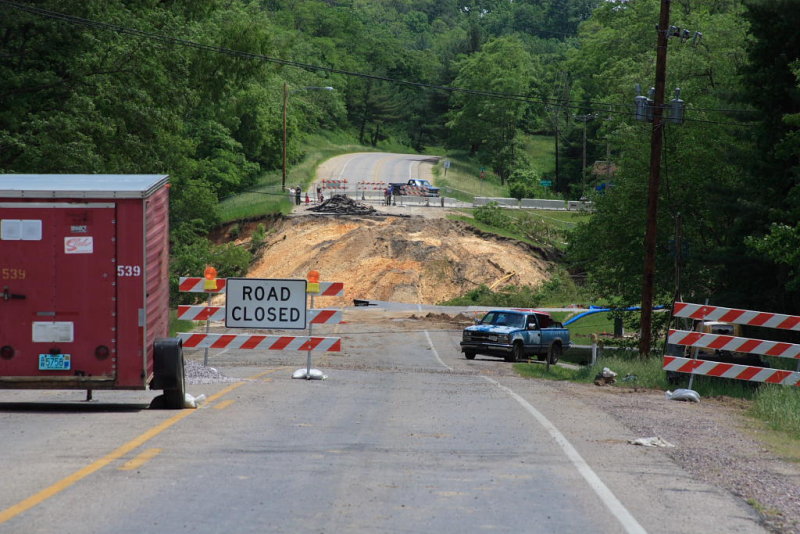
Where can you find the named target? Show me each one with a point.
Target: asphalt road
(375, 166)
(404, 435)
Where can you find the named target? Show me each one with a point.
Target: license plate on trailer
(55, 362)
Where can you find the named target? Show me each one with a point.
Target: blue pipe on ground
(596, 309)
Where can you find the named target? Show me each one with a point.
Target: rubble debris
(343, 205)
(459, 318)
(605, 377)
(655, 441)
(688, 395)
(197, 373)
(190, 401)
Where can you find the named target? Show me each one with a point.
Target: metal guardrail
(535, 203)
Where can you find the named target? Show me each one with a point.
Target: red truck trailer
(84, 298)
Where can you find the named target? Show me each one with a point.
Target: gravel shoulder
(715, 442)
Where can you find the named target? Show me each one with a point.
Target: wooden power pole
(653, 182)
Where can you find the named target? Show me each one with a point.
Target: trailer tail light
(6, 352)
(101, 352)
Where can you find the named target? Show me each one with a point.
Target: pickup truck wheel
(554, 353)
(469, 355)
(517, 353)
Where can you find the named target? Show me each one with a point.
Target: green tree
(703, 180)
(490, 125)
(772, 210)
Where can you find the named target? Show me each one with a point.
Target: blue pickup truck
(514, 335)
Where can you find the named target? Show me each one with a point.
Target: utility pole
(654, 182)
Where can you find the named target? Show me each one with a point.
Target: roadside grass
(779, 407)
(541, 151)
(565, 220)
(178, 325)
(462, 180)
(776, 406)
(582, 330)
(505, 232)
(549, 221)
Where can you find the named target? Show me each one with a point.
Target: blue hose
(596, 309)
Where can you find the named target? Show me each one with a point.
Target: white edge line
(430, 343)
(613, 504)
(435, 352)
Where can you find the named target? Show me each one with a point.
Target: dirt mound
(458, 319)
(343, 205)
(410, 260)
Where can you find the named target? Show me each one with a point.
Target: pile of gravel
(343, 205)
(197, 373)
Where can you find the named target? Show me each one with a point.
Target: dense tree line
(118, 86)
(728, 208)
(194, 88)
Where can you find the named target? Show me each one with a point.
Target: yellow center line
(140, 460)
(222, 405)
(121, 451)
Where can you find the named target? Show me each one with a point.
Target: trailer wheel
(169, 373)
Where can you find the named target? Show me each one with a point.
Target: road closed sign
(265, 303)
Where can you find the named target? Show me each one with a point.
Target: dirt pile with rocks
(343, 205)
(399, 259)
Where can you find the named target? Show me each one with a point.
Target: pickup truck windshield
(504, 319)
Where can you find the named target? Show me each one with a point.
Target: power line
(314, 68)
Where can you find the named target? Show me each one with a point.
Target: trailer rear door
(58, 282)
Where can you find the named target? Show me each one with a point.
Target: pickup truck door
(533, 335)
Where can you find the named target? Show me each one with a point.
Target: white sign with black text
(265, 303)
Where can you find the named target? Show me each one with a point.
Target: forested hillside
(195, 89)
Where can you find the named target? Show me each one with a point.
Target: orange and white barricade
(334, 184)
(724, 342)
(217, 313)
(198, 284)
(209, 313)
(260, 341)
(371, 186)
